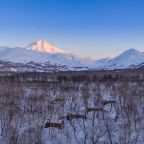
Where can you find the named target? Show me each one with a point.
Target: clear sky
(97, 28)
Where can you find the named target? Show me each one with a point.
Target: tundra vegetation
(104, 107)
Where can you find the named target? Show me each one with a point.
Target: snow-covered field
(86, 108)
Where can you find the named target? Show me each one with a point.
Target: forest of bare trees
(72, 108)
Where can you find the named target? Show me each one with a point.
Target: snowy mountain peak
(128, 58)
(44, 46)
(131, 51)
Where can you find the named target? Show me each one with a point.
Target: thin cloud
(33, 29)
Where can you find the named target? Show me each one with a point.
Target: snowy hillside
(42, 52)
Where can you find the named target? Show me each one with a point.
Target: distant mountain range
(43, 56)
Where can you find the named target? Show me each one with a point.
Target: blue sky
(97, 28)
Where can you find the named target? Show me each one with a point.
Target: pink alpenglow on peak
(44, 46)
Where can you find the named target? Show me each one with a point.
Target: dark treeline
(116, 75)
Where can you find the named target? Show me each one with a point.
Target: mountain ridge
(43, 52)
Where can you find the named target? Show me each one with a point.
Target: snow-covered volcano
(44, 46)
(128, 59)
(42, 52)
